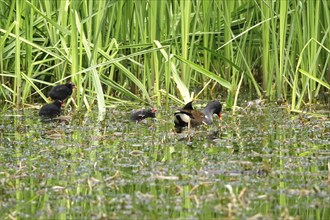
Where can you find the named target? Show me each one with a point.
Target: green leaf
(205, 72)
(326, 85)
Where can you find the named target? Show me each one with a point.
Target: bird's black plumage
(51, 110)
(141, 114)
(188, 116)
(61, 92)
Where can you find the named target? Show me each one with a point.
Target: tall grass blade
(205, 72)
(184, 91)
(18, 81)
(30, 83)
(311, 76)
(95, 76)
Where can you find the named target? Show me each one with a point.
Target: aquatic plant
(151, 51)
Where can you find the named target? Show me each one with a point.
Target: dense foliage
(151, 51)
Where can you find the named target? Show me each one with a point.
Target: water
(262, 162)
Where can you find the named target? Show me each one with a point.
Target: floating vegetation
(261, 162)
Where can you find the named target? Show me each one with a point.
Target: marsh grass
(152, 51)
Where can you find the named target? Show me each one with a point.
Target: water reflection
(261, 158)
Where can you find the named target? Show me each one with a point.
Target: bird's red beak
(220, 116)
(153, 110)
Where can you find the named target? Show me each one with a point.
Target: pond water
(262, 163)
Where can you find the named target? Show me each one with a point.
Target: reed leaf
(184, 91)
(134, 79)
(110, 49)
(36, 46)
(29, 81)
(205, 72)
(18, 80)
(311, 76)
(95, 76)
(48, 18)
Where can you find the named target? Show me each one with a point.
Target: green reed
(143, 50)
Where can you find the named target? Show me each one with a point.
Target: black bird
(61, 92)
(189, 117)
(51, 110)
(141, 114)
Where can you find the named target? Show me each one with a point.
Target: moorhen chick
(187, 116)
(61, 92)
(141, 114)
(51, 110)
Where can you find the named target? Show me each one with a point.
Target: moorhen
(51, 110)
(61, 92)
(187, 116)
(141, 114)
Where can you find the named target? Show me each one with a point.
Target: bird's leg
(189, 125)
